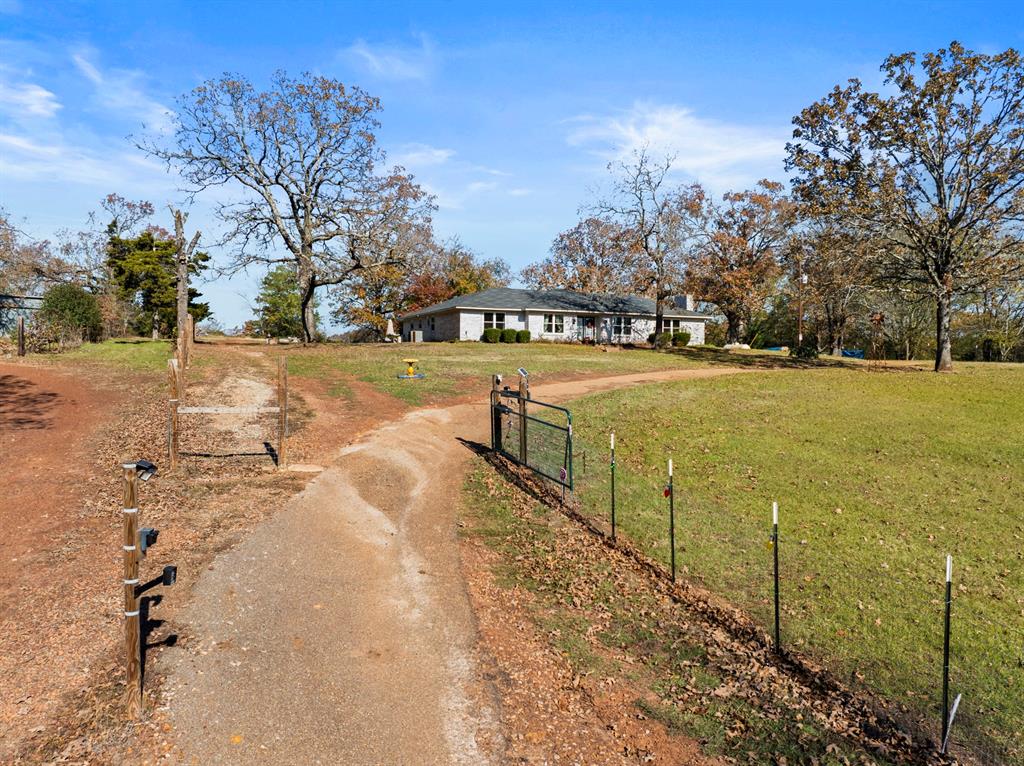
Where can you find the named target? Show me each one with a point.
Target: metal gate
(534, 434)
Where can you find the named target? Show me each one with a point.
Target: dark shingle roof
(511, 299)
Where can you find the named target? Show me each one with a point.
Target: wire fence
(870, 614)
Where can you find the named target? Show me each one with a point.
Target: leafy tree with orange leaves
(594, 256)
(736, 261)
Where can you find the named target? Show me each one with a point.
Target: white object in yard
(729, 346)
(416, 336)
(775, 514)
(613, 440)
(949, 569)
(670, 467)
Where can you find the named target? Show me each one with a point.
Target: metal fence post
(671, 518)
(945, 653)
(522, 420)
(775, 553)
(495, 414)
(132, 634)
(613, 485)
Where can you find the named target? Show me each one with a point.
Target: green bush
(71, 310)
(523, 336)
(681, 338)
(508, 335)
(663, 340)
(492, 335)
(651, 338)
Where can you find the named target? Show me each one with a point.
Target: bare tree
(305, 155)
(935, 167)
(644, 203)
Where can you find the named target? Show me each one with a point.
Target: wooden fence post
(282, 414)
(190, 323)
(132, 634)
(175, 399)
(21, 336)
(522, 420)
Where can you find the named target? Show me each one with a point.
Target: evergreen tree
(143, 270)
(279, 304)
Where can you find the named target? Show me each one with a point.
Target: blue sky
(508, 112)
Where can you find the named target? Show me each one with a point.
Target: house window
(431, 324)
(554, 323)
(494, 319)
(622, 326)
(672, 325)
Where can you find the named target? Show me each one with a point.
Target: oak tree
(933, 166)
(594, 256)
(656, 215)
(304, 154)
(736, 261)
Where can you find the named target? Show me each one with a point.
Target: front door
(587, 327)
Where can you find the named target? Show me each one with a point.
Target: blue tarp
(854, 353)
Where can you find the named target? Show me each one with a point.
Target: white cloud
(520, 192)
(122, 91)
(27, 99)
(720, 154)
(390, 62)
(35, 160)
(421, 155)
(475, 187)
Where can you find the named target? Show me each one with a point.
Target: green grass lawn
(879, 476)
(139, 354)
(449, 367)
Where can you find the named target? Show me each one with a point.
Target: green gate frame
(501, 401)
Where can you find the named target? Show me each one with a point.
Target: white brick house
(556, 315)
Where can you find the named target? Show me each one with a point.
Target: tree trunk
(734, 328)
(943, 346)
(307, 286)
(659, 314)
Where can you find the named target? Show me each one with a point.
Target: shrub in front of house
(508, 335)
(681, 338)
(663, 340)
(491, 335)
(523, 336)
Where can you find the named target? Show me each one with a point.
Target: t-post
(945, 654)
(670, 491)
(775, 553)
(613, 485)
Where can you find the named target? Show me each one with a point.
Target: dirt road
(340, 630)
(48, 421)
